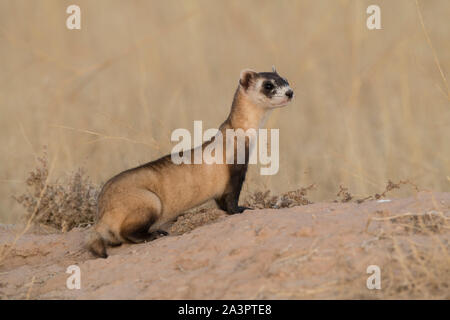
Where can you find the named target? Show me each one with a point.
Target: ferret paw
(242, 209)
(239, 210)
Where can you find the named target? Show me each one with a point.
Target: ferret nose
(290, 93)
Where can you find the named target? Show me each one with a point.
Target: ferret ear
(246, 77)
(274, 70)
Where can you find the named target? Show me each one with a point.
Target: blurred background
(370, 105)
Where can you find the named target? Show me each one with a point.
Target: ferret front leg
(229, 203)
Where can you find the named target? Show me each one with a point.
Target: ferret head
(266, 89)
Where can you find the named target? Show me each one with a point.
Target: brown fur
(136, 203)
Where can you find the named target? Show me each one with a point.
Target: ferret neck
(245, 114)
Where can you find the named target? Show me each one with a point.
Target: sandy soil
(314, 251)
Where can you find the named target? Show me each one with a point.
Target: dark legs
(229, 201)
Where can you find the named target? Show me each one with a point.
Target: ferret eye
(268, 86)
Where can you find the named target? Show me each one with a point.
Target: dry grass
(370, 105)
(411, 250)
(62, 204)
(418, 264)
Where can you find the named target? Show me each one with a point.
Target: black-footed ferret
(134, 204)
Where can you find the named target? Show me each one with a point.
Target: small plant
(389, 187)
(64, 204)
(344, 194)
(289, 199)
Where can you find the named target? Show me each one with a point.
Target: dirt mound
(313, 251)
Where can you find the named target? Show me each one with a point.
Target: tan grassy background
(370, 105)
